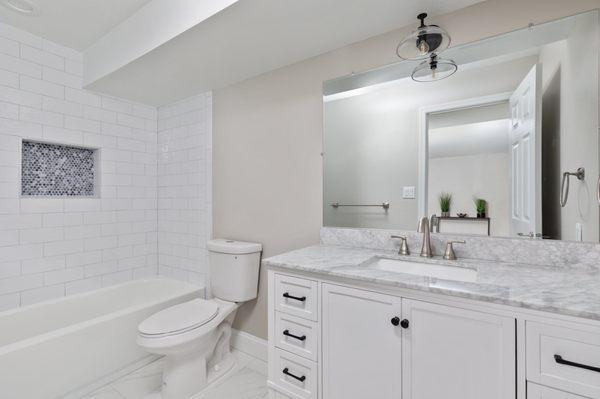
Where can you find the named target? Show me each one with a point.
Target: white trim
(424, 139)
(249, 344)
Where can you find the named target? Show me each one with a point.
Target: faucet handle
(403, 245)
(449, 253)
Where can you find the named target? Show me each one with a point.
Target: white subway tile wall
(50, 247)
(185, 188)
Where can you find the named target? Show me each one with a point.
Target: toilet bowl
(194, 336)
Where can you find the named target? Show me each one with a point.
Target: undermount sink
(425, 269)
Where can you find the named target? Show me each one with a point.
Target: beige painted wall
(267, 134)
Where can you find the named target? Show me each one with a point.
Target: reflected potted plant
(445, 199)
(481, 207)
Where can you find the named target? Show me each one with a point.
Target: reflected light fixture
(434, 69)
(423, 42)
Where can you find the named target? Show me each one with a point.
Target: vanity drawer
(296, 335)
(296, 296)
(273, 394)
(535, 391)
(294, 374)
(564, 358)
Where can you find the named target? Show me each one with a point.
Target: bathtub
(52, 348)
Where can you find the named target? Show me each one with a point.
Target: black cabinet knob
(395, 321)
(404, 323)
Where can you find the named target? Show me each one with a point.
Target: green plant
(445, 200)
(480, 205)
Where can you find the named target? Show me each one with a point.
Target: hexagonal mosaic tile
(56, 170)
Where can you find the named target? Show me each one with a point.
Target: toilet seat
(179, 319)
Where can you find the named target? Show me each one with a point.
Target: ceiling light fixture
(434, 69)
(24, 7)
(423, 42)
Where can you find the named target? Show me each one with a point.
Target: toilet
(194, 336)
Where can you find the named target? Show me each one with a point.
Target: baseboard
(250, 344)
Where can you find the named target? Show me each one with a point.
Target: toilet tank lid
(233, 247)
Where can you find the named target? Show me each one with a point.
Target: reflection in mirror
(501, 140)
(468, 158)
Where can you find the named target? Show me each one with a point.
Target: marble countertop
(562, 290)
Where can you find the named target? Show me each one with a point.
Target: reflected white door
(525, 156)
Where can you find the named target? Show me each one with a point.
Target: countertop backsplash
(551, 253)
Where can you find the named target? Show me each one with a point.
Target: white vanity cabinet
(361, 347)
(564, 358)
(455, 353)
(381, 346)
(331, 339)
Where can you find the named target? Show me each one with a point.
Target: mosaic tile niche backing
(56, 170)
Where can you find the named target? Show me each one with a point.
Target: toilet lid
(180, 318)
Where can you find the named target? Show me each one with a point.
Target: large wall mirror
(506, 146)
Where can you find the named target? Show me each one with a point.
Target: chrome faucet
(423, 227)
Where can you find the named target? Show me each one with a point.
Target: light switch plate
(408, 192)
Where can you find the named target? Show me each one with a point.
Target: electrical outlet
(408, 192)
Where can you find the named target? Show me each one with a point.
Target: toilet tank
(234, 267)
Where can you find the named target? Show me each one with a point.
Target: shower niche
(57, 170)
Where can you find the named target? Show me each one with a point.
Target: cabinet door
(453, 353)
(361, 346)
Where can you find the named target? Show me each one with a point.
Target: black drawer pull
(297, 298)
(558, 359)
(287, 372)
(288, 334)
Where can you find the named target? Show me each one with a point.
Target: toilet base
(214, 375)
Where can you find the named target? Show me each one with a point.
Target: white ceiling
(243, 40)
(255, 36)
(73, 23)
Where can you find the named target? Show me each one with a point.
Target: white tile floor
(248, 381)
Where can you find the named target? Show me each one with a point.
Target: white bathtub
(55, 347)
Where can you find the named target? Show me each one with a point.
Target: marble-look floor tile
(242, 359)
(104, 393)
(259, 366)
(243, 384)
(247, 381)
(141, 382)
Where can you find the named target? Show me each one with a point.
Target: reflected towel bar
(385, 205)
